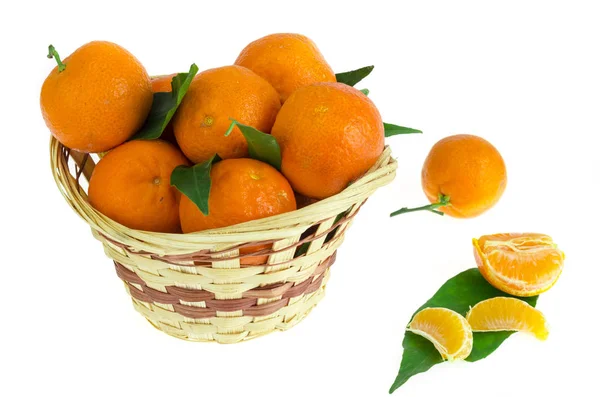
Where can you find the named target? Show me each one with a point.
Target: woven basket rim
(274, 227)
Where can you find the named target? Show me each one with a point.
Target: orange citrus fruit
(463, 176)
(241, 190)
(131, 185)
(507, 314)
(449, 332)
(468, 170)
(330, 135)
(214, 98)
(286, 60)
(521, 264)
(162, 83)
(97, 98)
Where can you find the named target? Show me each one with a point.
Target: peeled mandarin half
(507, 314)
(449, 332)
(521, 264)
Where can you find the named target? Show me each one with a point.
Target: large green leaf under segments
(164, 105)
(459, 293)
(261, 146)
(195, 182)
(352, 77)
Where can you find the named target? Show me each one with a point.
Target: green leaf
(261, 146)
(365, 91)
(164, 105)
(484, 343)
(459, 293)
(392, 129)
(194, 182)
(354, 76)
(419, 355)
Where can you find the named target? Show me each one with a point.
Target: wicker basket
(192, 286)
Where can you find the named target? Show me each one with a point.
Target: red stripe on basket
(231, 305)
(190, 295)
(267, 308)
(248, 304)
(194, 312)
(205, 257)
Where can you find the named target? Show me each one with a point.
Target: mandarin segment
(449, 332)
(521, 264)
(214, 98)
(100, 99)
(330, 135)
(286, 60)
(507, 314)
(131, 185)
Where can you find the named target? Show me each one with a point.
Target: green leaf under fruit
(459, 293)
(354, 76)
(261, 146)
(365, 91)
(393, 129)
(164, 105)
(194, 182)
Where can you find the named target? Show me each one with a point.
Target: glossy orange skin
(131, 185)
(214, 98)
(163, 84)
(330, 135)
(99, 101)
(286, 60)
(241, 190)
(469, 170)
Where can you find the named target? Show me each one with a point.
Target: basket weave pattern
(193, 287)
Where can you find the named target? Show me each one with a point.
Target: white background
(522, 74)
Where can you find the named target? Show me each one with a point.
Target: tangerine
(216, 96)
(241, 190)
(330, 134)
(97, 98)
(286, 60)
(131, 185)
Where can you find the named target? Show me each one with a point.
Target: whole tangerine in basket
(463, 176)
(215, 97)
(97, 98)
(131, 185)
(286, 60)
(330, 135)
(162, 83)
(241, 190)
(521, 264)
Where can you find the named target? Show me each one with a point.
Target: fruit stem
(53, 54)
(443, 201)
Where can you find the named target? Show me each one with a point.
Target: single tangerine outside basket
(193, 287)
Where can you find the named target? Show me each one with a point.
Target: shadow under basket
(193, 287)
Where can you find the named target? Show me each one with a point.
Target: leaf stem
(233, 124)
(53, 54)
(443, 201)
